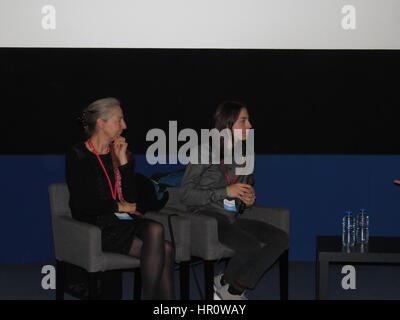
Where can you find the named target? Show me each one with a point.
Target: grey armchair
(79, 244)
(206, 246)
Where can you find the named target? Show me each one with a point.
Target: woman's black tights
(156, 260)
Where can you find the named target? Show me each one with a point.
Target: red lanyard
(113, 192)
(227, 177)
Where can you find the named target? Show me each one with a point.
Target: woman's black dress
(91, 200)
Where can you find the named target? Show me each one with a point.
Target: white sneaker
(224, 294)
(216, 297)
(217, 281)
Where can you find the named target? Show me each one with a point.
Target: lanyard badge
(229, 203)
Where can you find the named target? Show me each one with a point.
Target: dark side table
(379, 250)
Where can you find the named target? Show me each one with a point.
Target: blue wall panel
(316, 189)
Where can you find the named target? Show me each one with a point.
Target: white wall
(280, 24)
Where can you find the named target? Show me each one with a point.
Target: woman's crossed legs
(157, 257)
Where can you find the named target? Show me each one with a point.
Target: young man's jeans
(257, 246)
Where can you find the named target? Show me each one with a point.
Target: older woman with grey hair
(104, 192)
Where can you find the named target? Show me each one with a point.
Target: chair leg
(209, 279)
(111, 285)
(59, 280)
(93, 285)
(184, 275)
(284, 275)
(137, 286)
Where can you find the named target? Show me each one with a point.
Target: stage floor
(23, 282)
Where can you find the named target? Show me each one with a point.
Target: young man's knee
(249, 251)
(282, 238)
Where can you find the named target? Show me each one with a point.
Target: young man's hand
(242, 191)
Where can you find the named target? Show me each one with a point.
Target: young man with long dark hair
(216, 190)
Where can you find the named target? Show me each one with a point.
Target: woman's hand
(120, 146)
(127, 207)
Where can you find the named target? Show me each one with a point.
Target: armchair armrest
(277, 217)
(204, 240)
(77, 242)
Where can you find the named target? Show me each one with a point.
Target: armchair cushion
(116, 261)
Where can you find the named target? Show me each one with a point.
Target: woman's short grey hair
(99, 109)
